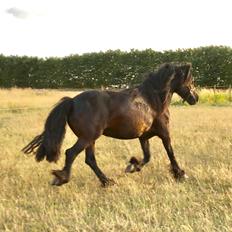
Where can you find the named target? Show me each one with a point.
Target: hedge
(211, 66)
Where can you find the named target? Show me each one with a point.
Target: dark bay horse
(140, 112)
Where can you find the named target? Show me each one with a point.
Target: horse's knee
(68, 152)
(77, 148)
(89, 160)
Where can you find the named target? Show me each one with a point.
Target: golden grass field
(146, 201)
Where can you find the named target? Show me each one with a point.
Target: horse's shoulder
(164, 117)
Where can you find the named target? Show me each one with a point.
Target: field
(146, 201)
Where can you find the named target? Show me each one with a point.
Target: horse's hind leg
(91, 161)
(137, 165)
(63, 176)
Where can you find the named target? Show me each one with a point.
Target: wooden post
(230, 94)
(214, 93)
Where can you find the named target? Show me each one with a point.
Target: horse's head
(182, 84)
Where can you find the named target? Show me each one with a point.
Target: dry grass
(31, 98)
(147, 201)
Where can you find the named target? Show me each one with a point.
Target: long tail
(48, 143)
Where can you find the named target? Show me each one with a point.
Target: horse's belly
(127, 128)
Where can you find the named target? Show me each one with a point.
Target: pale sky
(62, 27)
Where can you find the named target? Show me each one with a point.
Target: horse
(139, 112)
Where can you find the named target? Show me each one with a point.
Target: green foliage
(211, 66)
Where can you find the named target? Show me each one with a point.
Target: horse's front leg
(178, 173)
(134, 163)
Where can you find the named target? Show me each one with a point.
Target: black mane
(160, 78)
(156, 87)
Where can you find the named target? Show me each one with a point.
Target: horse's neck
(166, 97)
(157, 99)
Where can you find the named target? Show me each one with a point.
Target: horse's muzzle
(192, 99)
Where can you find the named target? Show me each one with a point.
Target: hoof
(108, 183)
(130, 168)
(134, 166)
(179, 175)
(56, 182)
(61, 177)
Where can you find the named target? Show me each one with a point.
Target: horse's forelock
(183, 73)
(187, 72)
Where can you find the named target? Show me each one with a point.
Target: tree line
(212, 66)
